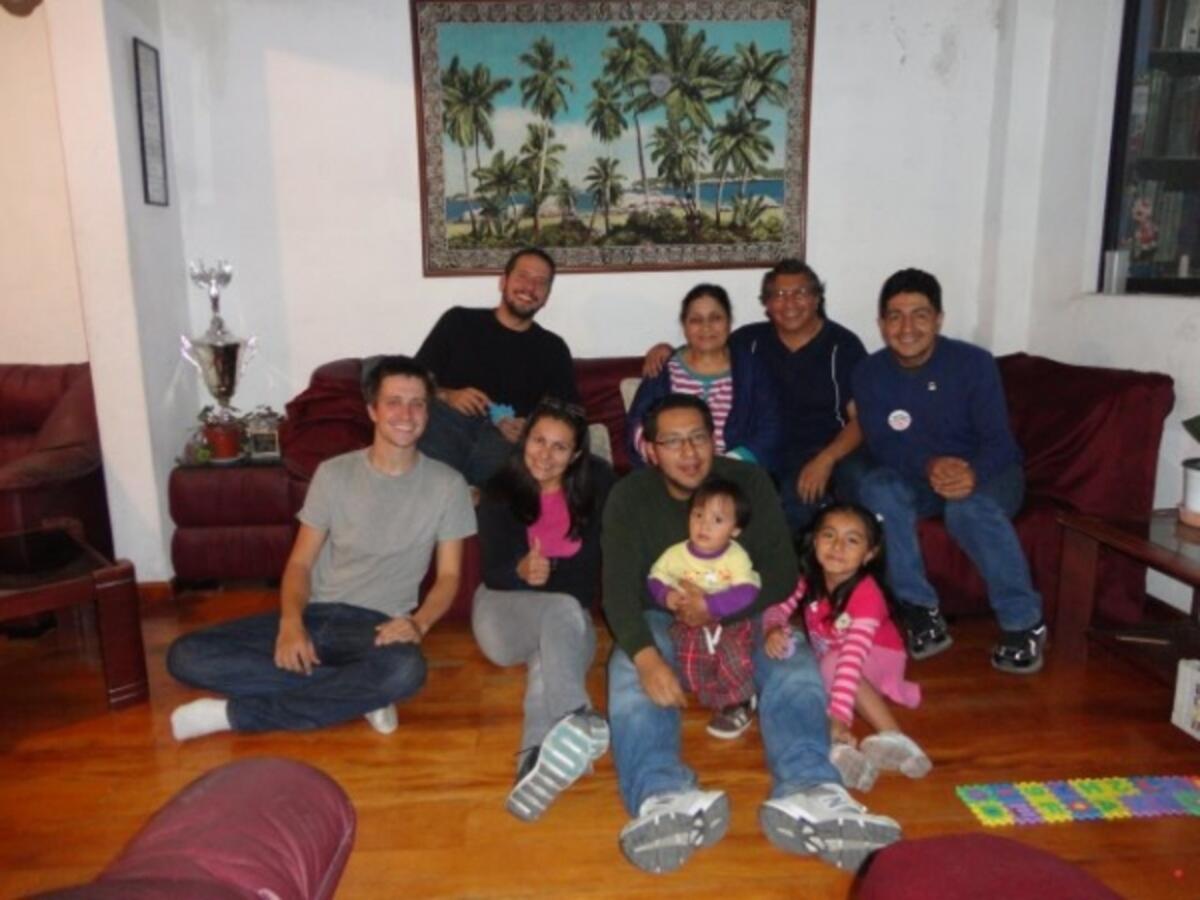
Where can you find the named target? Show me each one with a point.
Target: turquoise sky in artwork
(499, 46)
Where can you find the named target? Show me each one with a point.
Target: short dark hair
(383, 366)
(716, 486)
(669, 402)
(792, 266)
(910, 281)
(531, 251)
(718, 293)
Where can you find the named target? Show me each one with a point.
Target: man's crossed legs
(237, 659)
(809, 812)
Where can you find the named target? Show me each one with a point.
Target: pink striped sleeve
(854, 645)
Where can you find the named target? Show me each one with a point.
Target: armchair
(50, 463)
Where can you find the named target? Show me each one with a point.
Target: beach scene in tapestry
(614, 134)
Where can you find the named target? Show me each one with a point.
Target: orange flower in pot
(223, 433)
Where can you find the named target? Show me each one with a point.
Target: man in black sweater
(809, 812)
(492, 367)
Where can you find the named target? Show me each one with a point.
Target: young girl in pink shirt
(860, 649)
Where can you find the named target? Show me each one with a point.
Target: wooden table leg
(1076, 595)
(119, 623)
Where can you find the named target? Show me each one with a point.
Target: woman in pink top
(860, 649)
(539, 535)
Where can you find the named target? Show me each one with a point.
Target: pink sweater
(863, 624)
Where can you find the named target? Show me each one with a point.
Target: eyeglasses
(807, 292)
(697, 440)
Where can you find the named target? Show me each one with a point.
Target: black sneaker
(1020, 652)
(926, 632)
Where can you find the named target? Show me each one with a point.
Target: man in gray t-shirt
(346, 641)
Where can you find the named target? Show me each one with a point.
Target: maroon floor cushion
(269, 829)
(973, 867)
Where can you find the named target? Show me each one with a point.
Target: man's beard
(520, 312)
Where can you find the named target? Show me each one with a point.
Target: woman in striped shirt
(736, 387)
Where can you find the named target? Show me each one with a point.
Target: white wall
(966, 137)
(1070, 322)
(294, 129)
(128, 258)
(39, 291)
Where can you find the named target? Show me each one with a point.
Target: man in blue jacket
(933, 412)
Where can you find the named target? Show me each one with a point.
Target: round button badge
(899, 419)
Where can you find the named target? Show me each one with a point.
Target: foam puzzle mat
(1081, 799)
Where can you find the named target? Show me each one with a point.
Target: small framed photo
(150, 124)
(262, 433)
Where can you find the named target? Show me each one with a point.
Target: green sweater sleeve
(624, 568)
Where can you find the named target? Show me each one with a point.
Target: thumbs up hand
(534, 568)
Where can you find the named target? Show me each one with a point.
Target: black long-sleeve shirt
(470, 348)
(503, 541)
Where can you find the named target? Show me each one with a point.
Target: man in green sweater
(809, 811)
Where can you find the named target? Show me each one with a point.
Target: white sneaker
(858, 771)
(671, 827)
(893, 751)
(825, 821)
(383, 719)
(565, 754)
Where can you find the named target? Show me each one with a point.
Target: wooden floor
(76, 780)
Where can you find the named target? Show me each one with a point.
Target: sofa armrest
(55, 465)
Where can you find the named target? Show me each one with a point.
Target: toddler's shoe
(856, 768)
(732, 721)
(892, 751)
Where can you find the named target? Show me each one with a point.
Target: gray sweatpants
(553, 636)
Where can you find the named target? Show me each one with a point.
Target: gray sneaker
(671, 827)
(565, 754)
(857, 770)
(827, 822)
(893, 751)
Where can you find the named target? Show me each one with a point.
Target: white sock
(383, 719)
(207, 715)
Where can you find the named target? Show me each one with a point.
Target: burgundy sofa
(50, 463)
(255, 828)
(1090, 437)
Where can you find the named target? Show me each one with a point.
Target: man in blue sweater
(933, 412)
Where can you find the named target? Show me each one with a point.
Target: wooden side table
(1163, 543)
(53, 568)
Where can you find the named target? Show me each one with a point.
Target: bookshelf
(1153, 207)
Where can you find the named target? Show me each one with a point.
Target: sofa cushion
(326, 419)
(29, 392)
(72, 421)
(599, 382)
(1090, 435)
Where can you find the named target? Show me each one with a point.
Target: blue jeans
(646, 737)
(981, 524)
(843, 486)
(237, 659)
(471, 445)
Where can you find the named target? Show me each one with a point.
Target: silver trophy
(218, 354)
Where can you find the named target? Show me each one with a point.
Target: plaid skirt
(722, 675)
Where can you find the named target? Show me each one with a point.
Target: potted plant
(222, 431)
